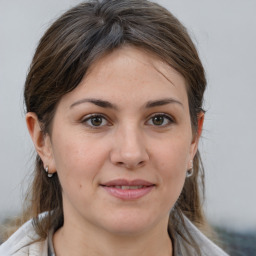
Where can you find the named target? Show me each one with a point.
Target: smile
(128, 187)
(128, 190)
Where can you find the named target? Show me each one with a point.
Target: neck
(88, 241)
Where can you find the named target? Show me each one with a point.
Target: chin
(129, 224)
(125, 229)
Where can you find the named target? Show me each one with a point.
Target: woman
(114, 108)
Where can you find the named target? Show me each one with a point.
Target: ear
(196, 137)
(42, 141)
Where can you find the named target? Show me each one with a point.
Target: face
(121, 143)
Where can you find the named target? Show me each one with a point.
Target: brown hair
(70, 46)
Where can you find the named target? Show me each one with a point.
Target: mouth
(128, 187)
(128, 190)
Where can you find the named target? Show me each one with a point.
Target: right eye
(95, 121)
(160, 120)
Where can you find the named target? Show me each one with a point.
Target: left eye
(95, 121)
(160, 120)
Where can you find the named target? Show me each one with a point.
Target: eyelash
(167, 120)
(89, 118)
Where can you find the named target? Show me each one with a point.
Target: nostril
(141, 163)
(120, 163)
(130, 165)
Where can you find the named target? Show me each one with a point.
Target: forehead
(130, 73)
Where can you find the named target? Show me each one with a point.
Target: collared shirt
(22, 243)
(51, 251)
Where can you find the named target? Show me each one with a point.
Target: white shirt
(24, 242)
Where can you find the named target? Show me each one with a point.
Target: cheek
(78, 160)
(78, 165)
(171, 160)
(172, 156)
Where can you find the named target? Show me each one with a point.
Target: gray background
(224, 31)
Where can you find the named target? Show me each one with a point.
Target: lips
(128, 189)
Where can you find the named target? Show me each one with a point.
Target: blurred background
(225, 35)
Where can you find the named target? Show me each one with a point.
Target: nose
(129, 148)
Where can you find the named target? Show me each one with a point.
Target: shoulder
(207, 247)
(24, 242)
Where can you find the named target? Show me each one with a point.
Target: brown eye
(95, 121)
(160, 120)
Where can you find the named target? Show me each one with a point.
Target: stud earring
(190, 171)
(47, 171)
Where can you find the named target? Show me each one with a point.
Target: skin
(145, 134)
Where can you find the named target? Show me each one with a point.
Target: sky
(224, 33)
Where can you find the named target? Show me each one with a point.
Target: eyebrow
(107, 104)
(162, 102)
(97, 102)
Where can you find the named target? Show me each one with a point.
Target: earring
(190, 171)
(47, 171)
